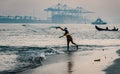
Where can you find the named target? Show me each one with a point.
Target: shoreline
(76, 62)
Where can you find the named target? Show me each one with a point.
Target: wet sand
(77, 62)
(115, 67)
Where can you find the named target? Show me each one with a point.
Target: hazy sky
(109, 10)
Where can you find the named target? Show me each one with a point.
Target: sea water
(20, 42)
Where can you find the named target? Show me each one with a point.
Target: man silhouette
(68, 36)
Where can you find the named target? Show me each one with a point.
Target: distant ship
(99, 22)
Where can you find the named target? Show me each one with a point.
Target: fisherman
(114, 28)
(68, 36)
(107, 28)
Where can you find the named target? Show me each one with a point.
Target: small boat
(106, 29)
(99, 21)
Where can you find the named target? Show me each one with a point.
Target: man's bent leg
(74, 44)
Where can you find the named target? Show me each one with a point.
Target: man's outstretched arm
(61, 36)
(60, 28)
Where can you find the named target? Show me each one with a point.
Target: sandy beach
(82, 62)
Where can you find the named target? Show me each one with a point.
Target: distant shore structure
(20, 19)
(65, 14)
(59, 14)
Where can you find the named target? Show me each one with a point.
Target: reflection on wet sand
(70, 62)
(70, 65)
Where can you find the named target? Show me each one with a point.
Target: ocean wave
(20, 58)
(26, 57)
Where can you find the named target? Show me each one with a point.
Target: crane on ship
(63, 13)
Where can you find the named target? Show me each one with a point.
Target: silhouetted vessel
(106, 29)
(99, 21)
